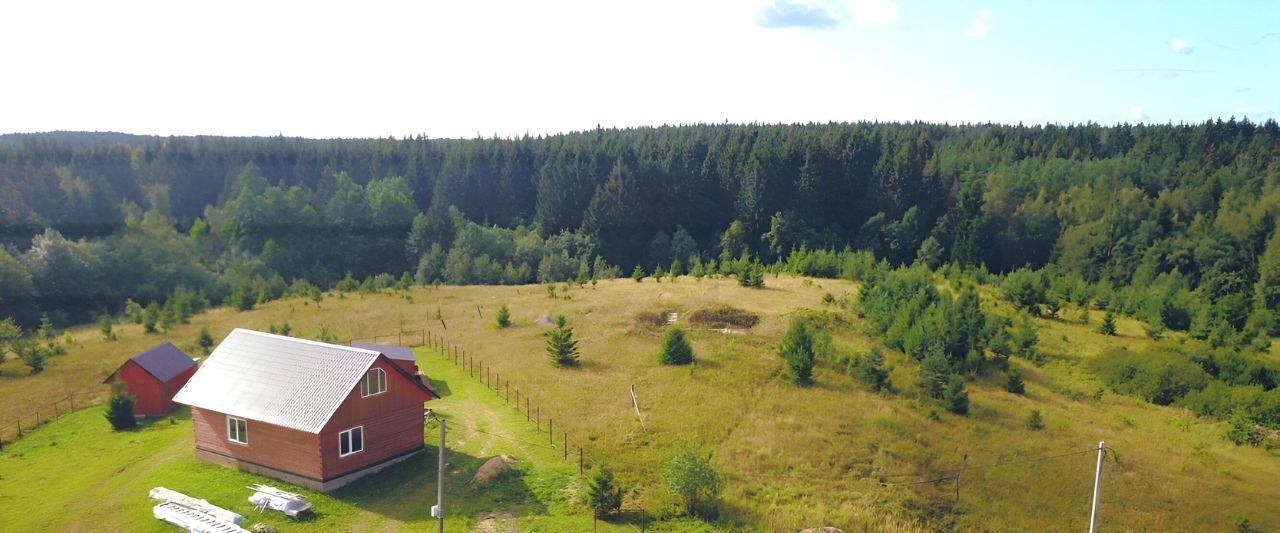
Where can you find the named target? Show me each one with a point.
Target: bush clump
(1156, 376)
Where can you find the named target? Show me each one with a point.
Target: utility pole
(1097, 488)
(438, 510)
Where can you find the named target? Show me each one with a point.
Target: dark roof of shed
(392, 352)
(164, 361)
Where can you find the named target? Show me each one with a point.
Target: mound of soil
(492, 468)
(656, 318)
(723, 316)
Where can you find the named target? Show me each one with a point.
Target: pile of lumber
(267, 497)
(193, 514)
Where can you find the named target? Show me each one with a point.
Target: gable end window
(237, 430)
(374, 382)
(351, 441)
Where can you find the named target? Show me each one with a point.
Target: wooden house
(313, 414)
(153, 378)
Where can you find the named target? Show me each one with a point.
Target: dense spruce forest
(1174, 224)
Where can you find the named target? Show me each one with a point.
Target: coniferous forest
(1172, 224)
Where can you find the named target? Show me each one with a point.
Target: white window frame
(347, 436)
(233, 431)
(379, 379)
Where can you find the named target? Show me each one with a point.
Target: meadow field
(790, 457)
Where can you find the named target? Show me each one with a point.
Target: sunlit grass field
(830, 454)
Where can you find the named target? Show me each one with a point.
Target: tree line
(1175, 221)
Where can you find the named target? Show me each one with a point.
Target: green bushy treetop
(675, 348)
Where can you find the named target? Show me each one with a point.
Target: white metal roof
(295, 383)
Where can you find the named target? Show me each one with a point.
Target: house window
(237, 430)
(375, 382)
(351, 441)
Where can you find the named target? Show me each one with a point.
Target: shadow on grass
(441, 387)
(407, 490)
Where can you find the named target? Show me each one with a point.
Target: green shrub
(954, 398)
(1156, 376)
(869, 369)
(1034, 421)
(1108, 325)
(1013, 381)
(120, 409)
(797, 351)
(603, 494)
(690, 476)
(205, 340)
(675, 348)
(503, 319)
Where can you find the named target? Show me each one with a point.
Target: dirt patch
(544, 320)
(493, 468)
(495, 522)
(722, 317)
(656, 318)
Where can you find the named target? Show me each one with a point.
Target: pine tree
(955, 399)
(870, 370)
(30, 352)
(503, 318)
(1026, 341)
(1108, 325)
(1013, 380)
(120, 409)
(935, 371)
(797, 351)
(637, 274)
(105, 327)
(561, 347)
(205, 340)
(1034, 421)
(675, 348)
(603, 494)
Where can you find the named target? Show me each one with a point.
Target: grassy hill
(830, 454)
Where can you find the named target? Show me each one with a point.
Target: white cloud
(980, 25)
(1181, 46)
(1254, 112)
(871, 13)
(1137, 113)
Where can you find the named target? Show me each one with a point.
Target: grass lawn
(75, 474)
(790, 457)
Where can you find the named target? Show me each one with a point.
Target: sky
(495, 68)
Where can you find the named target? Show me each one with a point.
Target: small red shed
(310, 413)
(153, 377)
(397, 354)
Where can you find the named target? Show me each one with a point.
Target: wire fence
(511, 394)
(14, 429)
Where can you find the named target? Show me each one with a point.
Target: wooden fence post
(537, 417)
(566, 446)
(528, 417)
(580, 461)
(551, 436)
(508, 398)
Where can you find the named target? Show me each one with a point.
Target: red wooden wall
(150, 396)
(392, 424)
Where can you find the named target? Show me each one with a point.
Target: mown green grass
(76, 474)
(791, 457)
